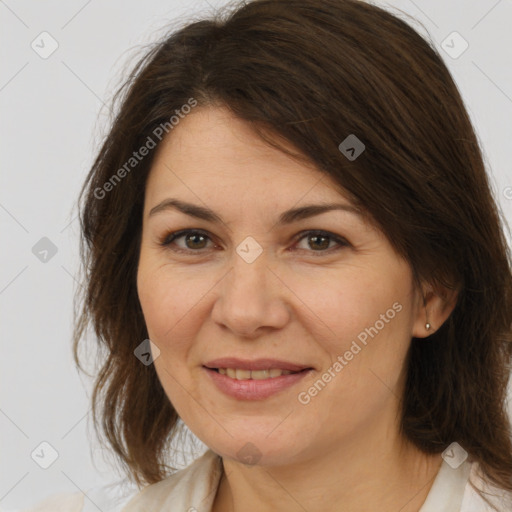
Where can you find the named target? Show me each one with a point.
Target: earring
(427, 325)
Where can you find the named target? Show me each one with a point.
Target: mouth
(254, 365)
(241, 374)
(254, 380)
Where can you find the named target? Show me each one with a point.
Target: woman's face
(262, 284)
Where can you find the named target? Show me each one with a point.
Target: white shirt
(193, 489)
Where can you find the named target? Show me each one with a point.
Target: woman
(292, 206)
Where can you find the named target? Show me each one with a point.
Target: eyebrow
(287, 217)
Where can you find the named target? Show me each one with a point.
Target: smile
(240, 374)
(254, 384)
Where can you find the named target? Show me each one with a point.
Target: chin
(257, 451)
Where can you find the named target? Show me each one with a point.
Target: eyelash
(167, 240)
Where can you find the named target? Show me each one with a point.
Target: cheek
(363, 326)
(157, 305)
(169, 308)
(173, 304)
(163, 296)
(354, 303)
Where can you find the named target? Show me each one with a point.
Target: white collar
(448, 488)
(195, 488)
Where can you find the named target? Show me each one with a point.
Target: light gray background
(53, 118)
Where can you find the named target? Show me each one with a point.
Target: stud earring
(427, 324)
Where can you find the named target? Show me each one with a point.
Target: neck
(370, 472)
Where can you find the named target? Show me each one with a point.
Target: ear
(434, 306)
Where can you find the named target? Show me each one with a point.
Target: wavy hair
(311, 72)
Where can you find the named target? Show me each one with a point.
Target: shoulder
(191, 488)
(473, 500)
(107, 498)
(63, 502)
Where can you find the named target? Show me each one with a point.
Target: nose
(251, 299)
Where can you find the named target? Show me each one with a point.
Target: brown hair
(313, 72)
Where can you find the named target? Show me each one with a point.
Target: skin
(342, 450)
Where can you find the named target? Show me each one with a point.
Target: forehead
(210, 149)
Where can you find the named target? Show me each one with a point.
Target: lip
(254, 389)
(256, 364)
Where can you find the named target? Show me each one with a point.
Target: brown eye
(194, 240)
(319, 241)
